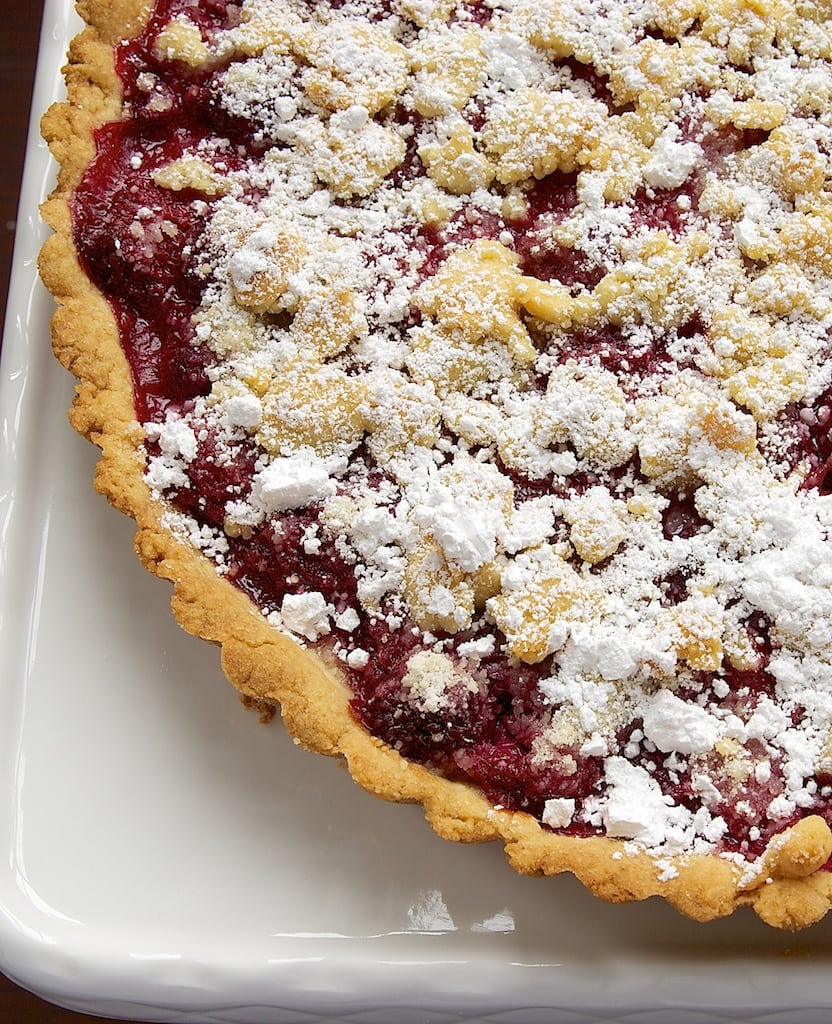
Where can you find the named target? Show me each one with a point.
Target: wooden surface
(18, 46)
(18, 49)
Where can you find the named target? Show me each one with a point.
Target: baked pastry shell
(792, 890)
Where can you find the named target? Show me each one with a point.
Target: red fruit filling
(138, 243)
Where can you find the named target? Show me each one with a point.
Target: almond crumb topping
(521, 313)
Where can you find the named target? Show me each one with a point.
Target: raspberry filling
(141, 243)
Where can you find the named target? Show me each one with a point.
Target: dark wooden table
(18, 48)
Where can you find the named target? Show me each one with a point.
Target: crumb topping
(521, 311)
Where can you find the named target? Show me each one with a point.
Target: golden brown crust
(268, 668)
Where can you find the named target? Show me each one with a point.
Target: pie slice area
(465, 367)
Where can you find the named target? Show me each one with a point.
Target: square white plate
(166, 857)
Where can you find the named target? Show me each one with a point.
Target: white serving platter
(165, 857)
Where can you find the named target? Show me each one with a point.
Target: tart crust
(268, 669)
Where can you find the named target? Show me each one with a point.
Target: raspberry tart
(465, 367)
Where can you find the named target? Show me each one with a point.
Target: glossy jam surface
(149, 275)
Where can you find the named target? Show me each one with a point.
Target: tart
(465, 367)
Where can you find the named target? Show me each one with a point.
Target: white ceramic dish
(163, 856)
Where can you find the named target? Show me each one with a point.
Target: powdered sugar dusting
(521, 307)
